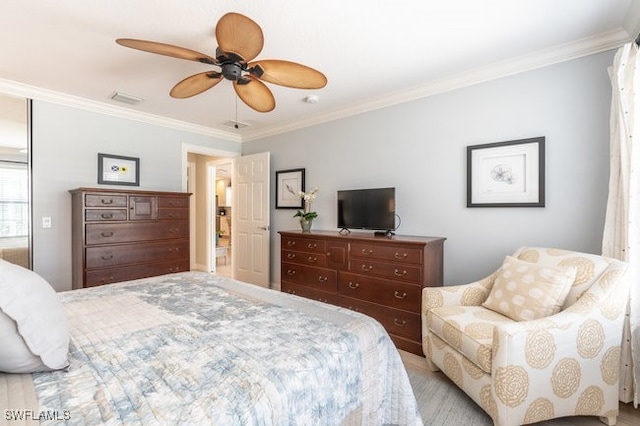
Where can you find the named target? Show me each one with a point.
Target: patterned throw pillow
(524, 291)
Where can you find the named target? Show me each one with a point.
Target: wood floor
(629, 416)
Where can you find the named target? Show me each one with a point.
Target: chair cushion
(468, 329)
(525, 291)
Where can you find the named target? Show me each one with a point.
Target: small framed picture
(288, 184)
(118, 170)
(506, 174)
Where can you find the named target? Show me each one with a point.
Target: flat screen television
(373, 209)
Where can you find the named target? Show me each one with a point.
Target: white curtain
(621, 237)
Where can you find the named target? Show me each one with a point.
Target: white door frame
(191, 186)
(213, 152)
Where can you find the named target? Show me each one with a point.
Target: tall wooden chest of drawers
(120, 235)
(382, 277)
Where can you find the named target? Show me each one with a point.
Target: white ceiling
(374, 52)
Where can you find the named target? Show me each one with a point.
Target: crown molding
(13, 88)
(562, 53)
(566, 52)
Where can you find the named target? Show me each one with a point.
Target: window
(14, 199)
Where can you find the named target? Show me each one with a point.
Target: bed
(194, 348)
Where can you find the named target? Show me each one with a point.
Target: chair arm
(568, 351)
(471, 294)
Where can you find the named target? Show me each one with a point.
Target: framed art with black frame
(288, 184)
(118, 170)
(506, 174)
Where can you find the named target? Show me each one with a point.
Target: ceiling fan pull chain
(236, 123)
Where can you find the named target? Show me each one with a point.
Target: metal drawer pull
(107, 234)
(291, 243)
(312, 245)
(291, 272)
(107, 257)
(312, 259)
(104, 279)
(176, 269)
(400, 274)
(353, 285)
(291, 255)
(400, 296)
(173, 215)
(174, 230)
(109, 201)
(365, 251)
(353, 309)
(106, 215)
(399, 323)
(400, 256)
(322, 279)
(367, 268)
(172, 249)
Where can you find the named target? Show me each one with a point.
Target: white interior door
(250, 218)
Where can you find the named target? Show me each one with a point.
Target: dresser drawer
(318, 278)
(107, 233)
(102, 215)
(308, 245)
(389, 293)
(396, 271)
(312, 259)
(95, 277)
(384, 252)
(105, 200)
(173, 202)
(173, 213)
(395, 321)
(310, 293)
(126, 254)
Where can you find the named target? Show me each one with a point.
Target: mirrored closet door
(15, 209)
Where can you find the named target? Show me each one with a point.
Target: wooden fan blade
(196, 84)
(289, 74)
(167, 50)
(255, 94)
(239, 35)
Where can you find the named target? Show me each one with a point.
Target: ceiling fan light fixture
(125, 98)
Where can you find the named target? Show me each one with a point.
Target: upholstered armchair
(537, 339)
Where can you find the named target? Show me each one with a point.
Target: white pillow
(33, 324)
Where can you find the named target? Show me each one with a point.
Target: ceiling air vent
(235, 124)
(127, 99)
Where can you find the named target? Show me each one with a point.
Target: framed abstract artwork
(506, 174)
(288, 184)
(118, 170)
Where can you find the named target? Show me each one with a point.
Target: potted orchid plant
(306, 215)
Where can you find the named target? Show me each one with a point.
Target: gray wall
(420, 148)
(65, 144)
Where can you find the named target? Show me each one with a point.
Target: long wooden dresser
(382, 277)
(120, 235)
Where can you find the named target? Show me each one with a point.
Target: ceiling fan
(240, 40)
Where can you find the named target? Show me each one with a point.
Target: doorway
(221, 172)
(200, 176)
